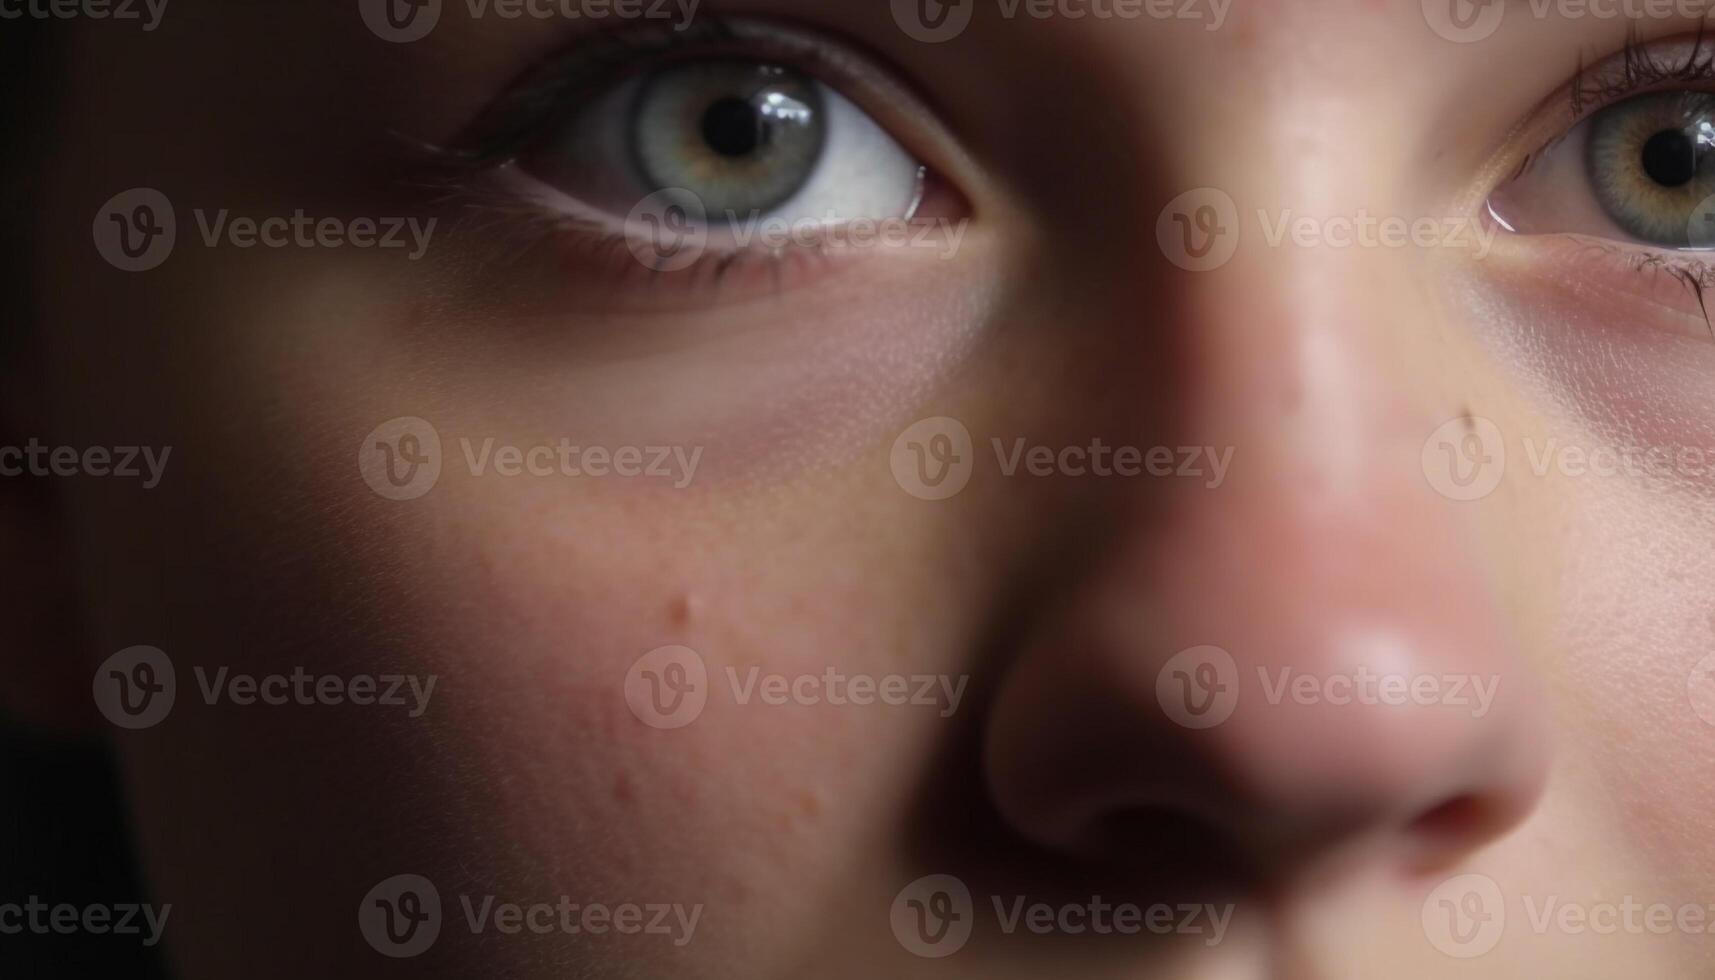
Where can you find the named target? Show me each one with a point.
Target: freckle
(810, 803)
(683, 609)
(1470, 423)
(622, 788)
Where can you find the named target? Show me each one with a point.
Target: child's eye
(750, 141)
(1641, 170)
(737, 155)
(1649, 162)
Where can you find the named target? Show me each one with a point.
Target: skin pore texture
(1320, 831)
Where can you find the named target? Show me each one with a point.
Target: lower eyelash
(1695, 275)
(519, 229)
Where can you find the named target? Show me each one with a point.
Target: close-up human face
(743, 488)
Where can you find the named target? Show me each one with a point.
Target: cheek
(546, 598)
(1620, 476)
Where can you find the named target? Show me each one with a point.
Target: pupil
(1670, 158)
(733, 128)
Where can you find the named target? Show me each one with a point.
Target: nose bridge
(1324, 562)
(1311, 337)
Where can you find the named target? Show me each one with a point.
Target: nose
(1307, 662)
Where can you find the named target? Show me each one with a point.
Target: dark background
(63, 835)
(63, 839)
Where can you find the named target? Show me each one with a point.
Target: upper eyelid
(1637, 68)
(597, 61)
(549, 85)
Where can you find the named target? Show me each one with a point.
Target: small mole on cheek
(622, 791)
(683, 609)
(808, 810)
(811, 803)
(1470, 423)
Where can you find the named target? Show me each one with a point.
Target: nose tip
(1281, 691)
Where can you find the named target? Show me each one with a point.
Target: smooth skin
(1060, 777)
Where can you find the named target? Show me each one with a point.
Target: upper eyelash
(558, 84)
(507, 125)
(1640, 67)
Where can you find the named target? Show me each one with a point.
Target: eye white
(588, 170)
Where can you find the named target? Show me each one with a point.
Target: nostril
(1458, 817)
(1166, 840)
(1447, 829)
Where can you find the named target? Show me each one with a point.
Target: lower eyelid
(583, 260)
(1634, 285)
